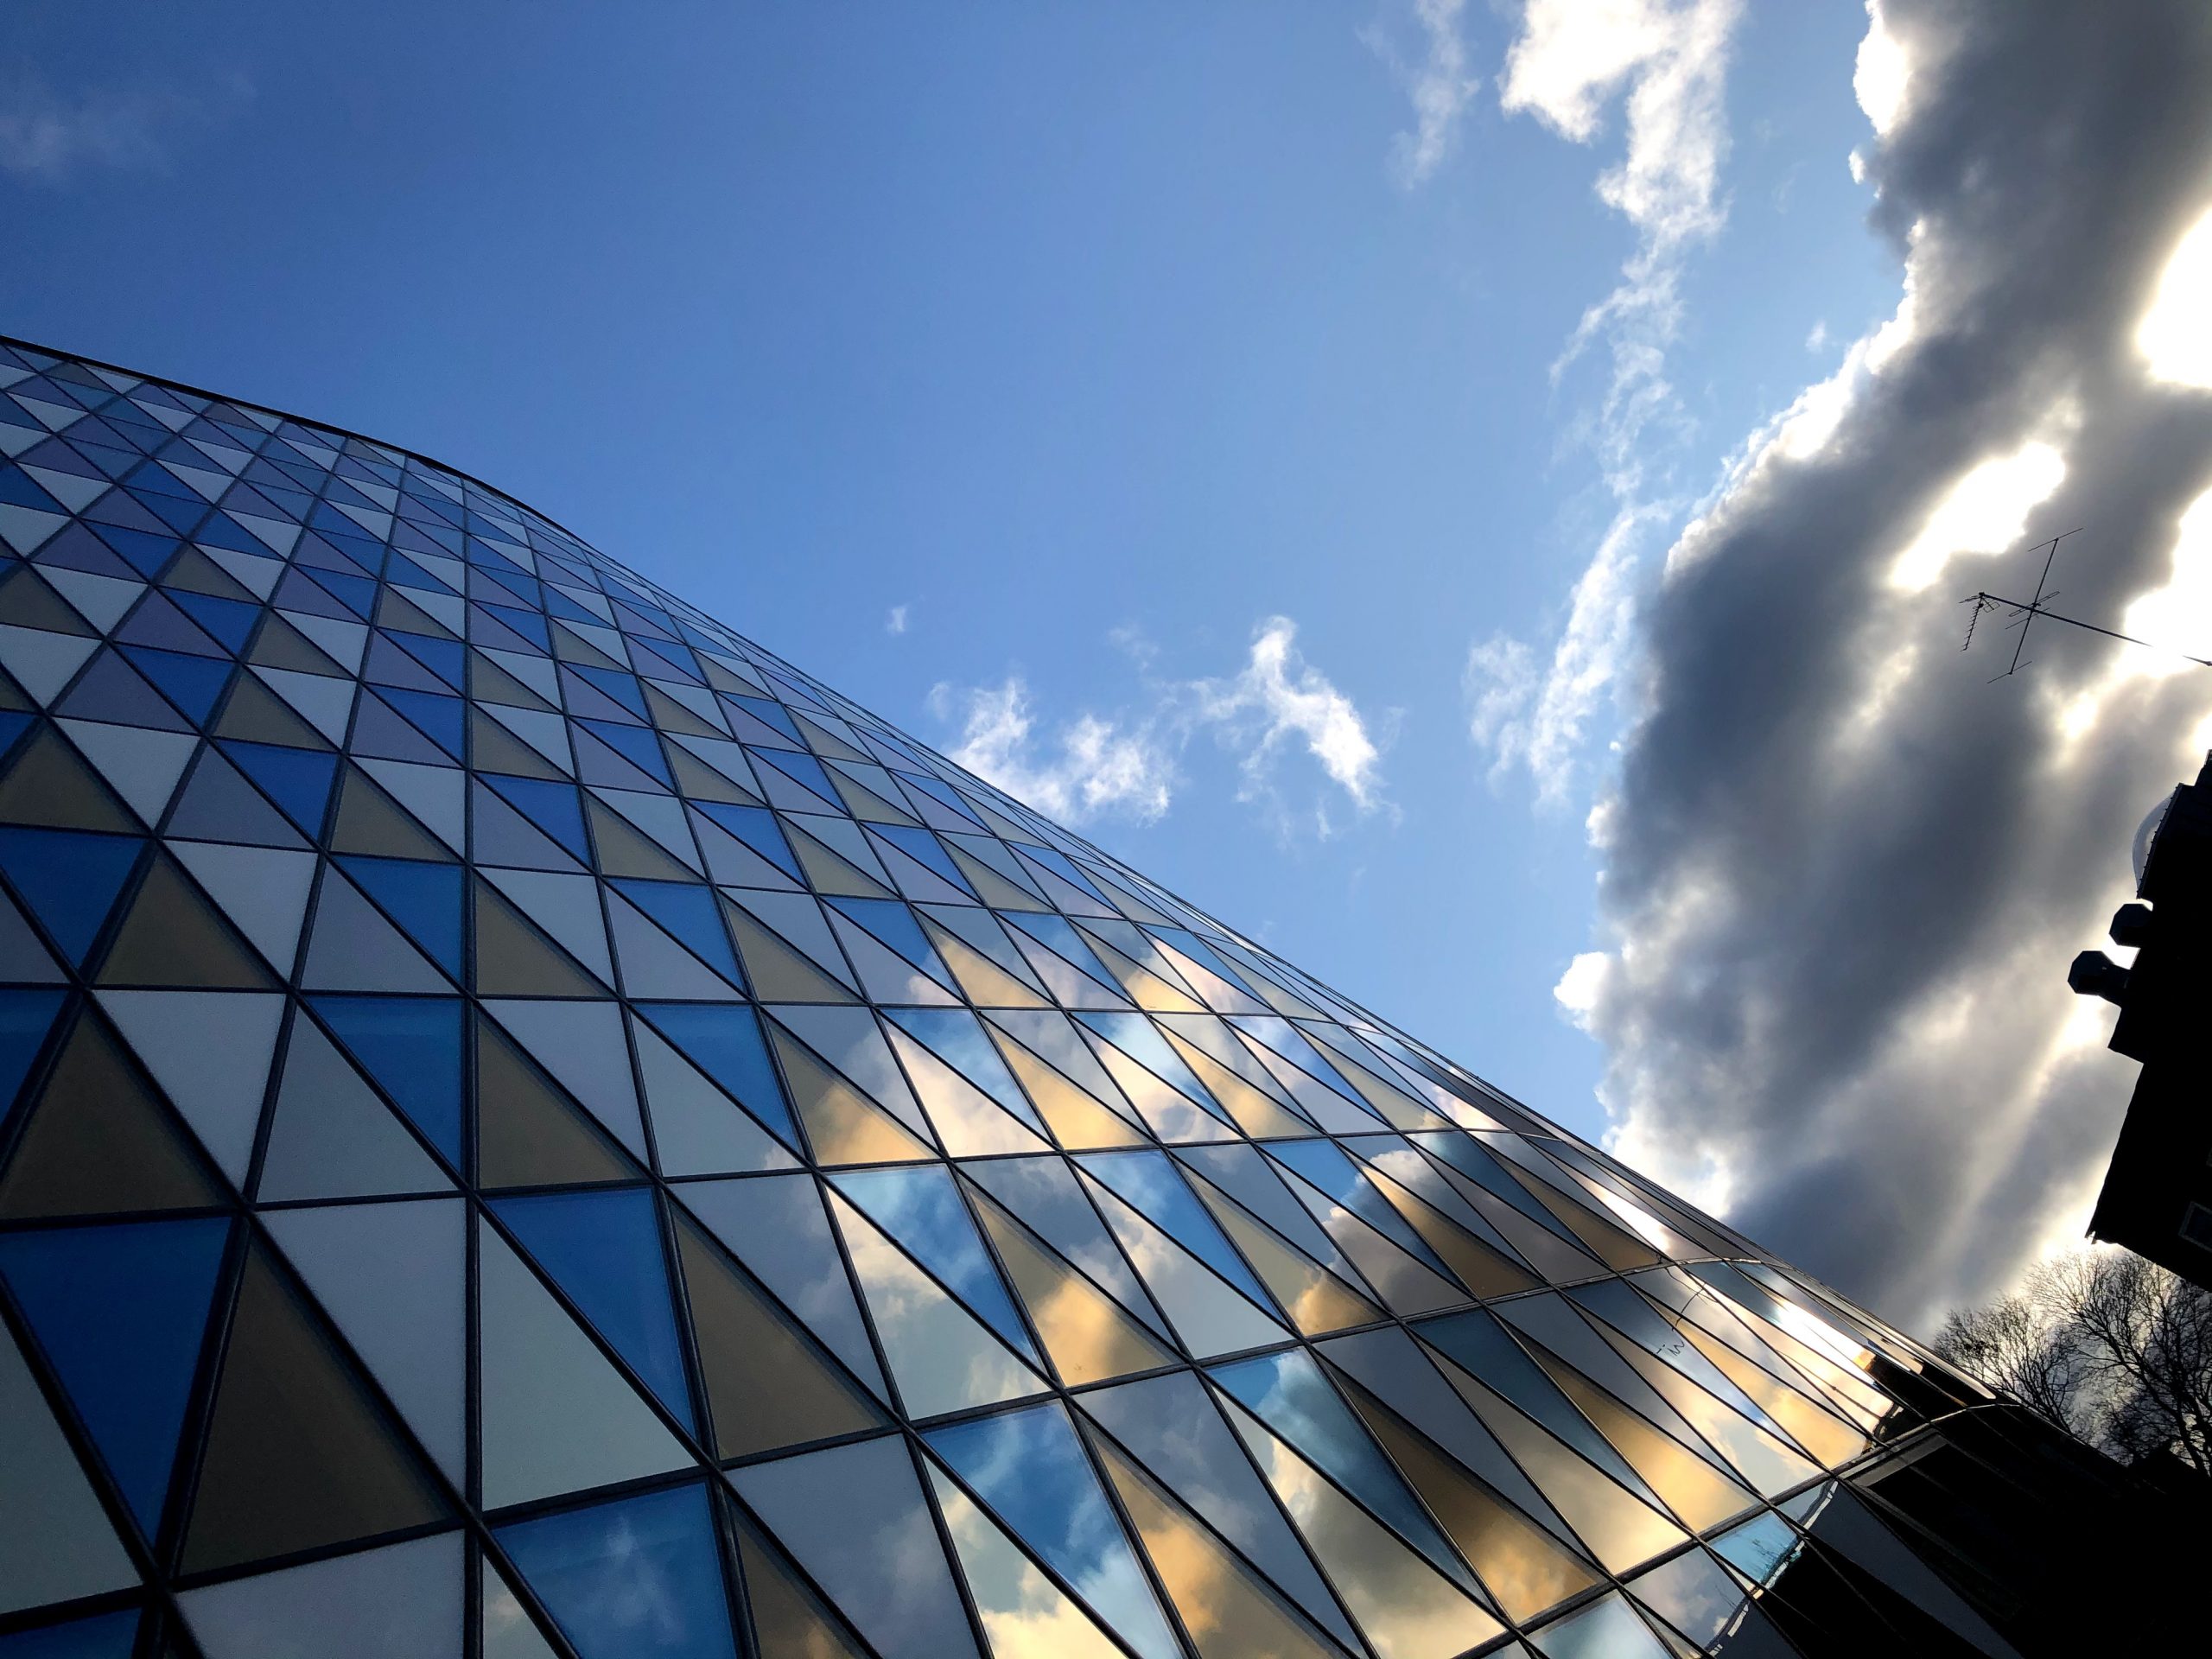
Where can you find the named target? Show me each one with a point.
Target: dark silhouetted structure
(2156, 1199)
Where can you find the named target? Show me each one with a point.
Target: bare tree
(2110, 1348)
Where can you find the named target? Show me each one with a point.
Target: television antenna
(2022, 616)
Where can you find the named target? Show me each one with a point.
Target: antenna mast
(2025, 614)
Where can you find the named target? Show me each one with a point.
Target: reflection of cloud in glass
(1024, 1613)
(1692, 1594)
(1226, 1609)
(1403, 1605)
(1029, 1467)
(942, 1359)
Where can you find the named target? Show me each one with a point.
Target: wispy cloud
(50, 136)
(1437, 78)
(895, 622)
(1092, 767)
(1667, 65)
(1128, 766)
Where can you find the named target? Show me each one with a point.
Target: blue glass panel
(12, 725)
(298, 781)
(412, 1046)
(1288, 1041)
(69, 879)
(756, 828)
(424, 899)
(956, 1036)
(1760, 1548)
(1173, 1426)
(920, 1209)
(1476, 1342)
(943, 795)
(1324, 1163)
(1605, 1630)
(229, 620)
(635, 743)
(1029, 1466)
(25, 1018)
(120, 1311)
(893, 924)
(106, 1637)
(1288, 1392)
(17, 490)
(146, 550)
(223, 530)
(604, 1250)
(552, 807)
(623, 688)
(1136, 1036)
(441, 719)
(726, 1043)
(1200, 952)
(773, 713)
(639, 1578)
(530, 625)
(1619, 1306)
(1155, 1187)
(1059, 864)
(690, 914)
(924, 848)
(1471, 1159)
(804, 771)
(446, 658)
(1055, 934)
(193, 683)
(357, 593)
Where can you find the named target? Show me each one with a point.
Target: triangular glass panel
(555, 1416)
(854, 1517)
(604, 1250)
(121, 1313)
(587, 1567)
(767, 1385)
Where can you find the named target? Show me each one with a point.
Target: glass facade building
(530, 1127)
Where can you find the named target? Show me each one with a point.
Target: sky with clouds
(1475, 495)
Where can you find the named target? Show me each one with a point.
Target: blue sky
(1087, 342)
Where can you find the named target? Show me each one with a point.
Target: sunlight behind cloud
(2176, 333)
(1883, 75)
(2178, 616)
(1984, 513)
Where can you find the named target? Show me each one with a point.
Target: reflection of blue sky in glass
(603, 1249)
(1152, 1186)
(1287, 1393)
(1324, 1164)
(956, 1035)
(1171, 1425)
(1028, 1466)
(923, 1214)
(640, 1578)
(1760, 1548)
(1694, 1594)
(1605, 1629)
(1044, 1194)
